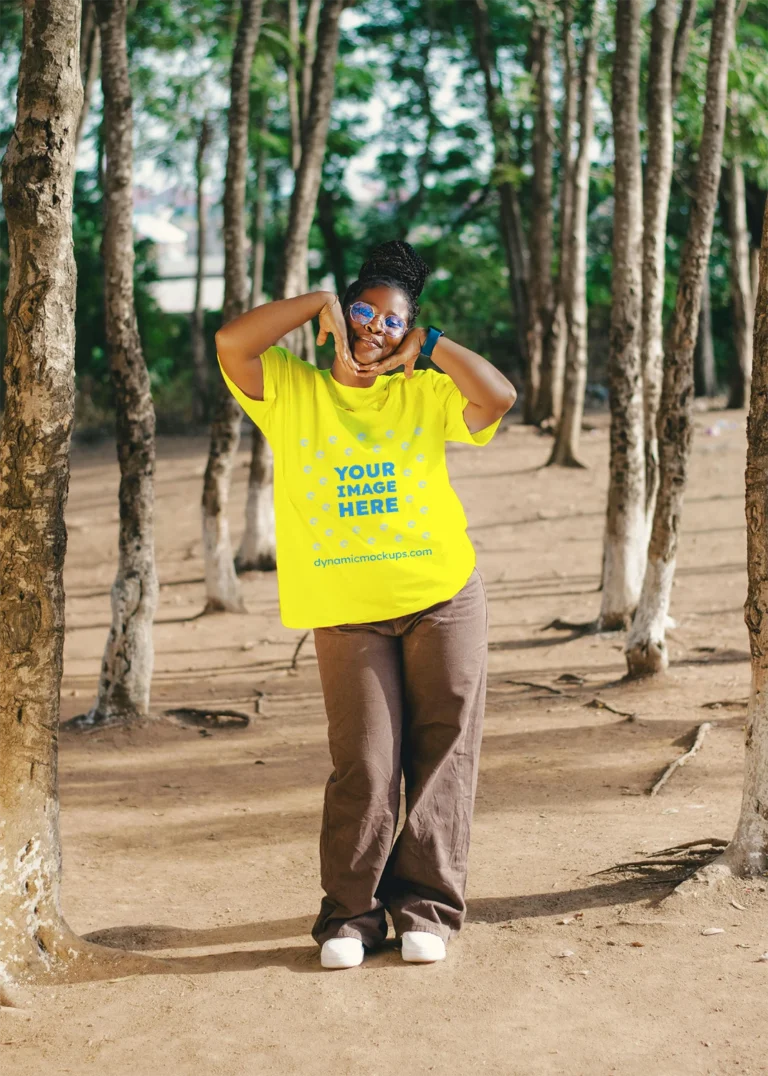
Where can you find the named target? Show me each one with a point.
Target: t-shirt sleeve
(452, 402)
(276, 364)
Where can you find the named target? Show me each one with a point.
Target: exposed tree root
(581, 628)
(672, 866)
(537, 687)
(295, 659)
(209, 719)
(701, 732)
(598, 704)
(725, 704)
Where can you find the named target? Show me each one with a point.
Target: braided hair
(394, 264)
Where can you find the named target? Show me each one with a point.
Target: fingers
(322, 336)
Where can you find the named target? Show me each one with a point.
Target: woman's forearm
(242, 341)
(489, 392)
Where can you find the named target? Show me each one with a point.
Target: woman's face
(369, 343)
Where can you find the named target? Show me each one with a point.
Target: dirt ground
(202, 848)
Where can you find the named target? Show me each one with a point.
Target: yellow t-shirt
(368, 526)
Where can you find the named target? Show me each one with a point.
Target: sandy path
(203, 848)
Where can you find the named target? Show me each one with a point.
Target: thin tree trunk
(682, 43)
(221, 584)
(741, 288)
(34, 475)
(257, 550)
(90, 55)
(656, 190)
(293, 89)
(556, 342)
(625, 530)
(747, 854)
(539, 403)
(566, 449)
(307, 53)
(511, 221)
(259, 212)
(646, 649)
(199, 360)
(293, 273)
(705, 383)
(126, 669)
(326, 219)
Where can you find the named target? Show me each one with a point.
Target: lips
(370, 343)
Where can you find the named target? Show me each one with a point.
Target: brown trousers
(403, 696)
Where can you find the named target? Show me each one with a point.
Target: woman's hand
(405, 355)
(332, 321)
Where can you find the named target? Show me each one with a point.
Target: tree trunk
(257, 548)
(646, 647)
(511, 220)
(126, 669)
(292, 277)
(37, 178)
(259, 211)
(747, 854)
(199, 360)
(658, 181)
(293, 89)
(542, 307)
(221, 585)
(556, 342)
(705, 382)
(625, 529)
(90, 55)
(741, 288)
(307, 53)
(566, 449)
(682, 42)
(326, 219)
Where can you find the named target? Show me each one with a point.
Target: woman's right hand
(332, 321)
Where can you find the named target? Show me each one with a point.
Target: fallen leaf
(736, 904)
(566, 953)
(637, 945)
(712, 930)
(566, 920)
(763, 958)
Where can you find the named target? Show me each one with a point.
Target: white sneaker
(421, 947)
(341, 953)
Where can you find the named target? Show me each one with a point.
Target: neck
(340, 373)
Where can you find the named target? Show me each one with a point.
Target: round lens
(393, 325)
(361, 313)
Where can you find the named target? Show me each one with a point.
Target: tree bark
(307, 52)
(747, 854)
(511, 221)
(625, 530)
(656, 190)
(259, 212)
(293, 89)
(556, 342)
(705, 383)
(199, 360)
(292, 276)
(90, 56)
(646, 649)
(126, 669)
(37, 178)
(539, 404)
(682, 43)
(566, 449)
(221, 584)
(741, 288)
(326, 219)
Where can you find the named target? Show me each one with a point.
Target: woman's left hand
(405, 355)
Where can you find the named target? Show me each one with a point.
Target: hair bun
(398, 260)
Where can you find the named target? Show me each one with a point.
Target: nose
(373, 321)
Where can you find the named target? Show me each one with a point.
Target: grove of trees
(587, 178)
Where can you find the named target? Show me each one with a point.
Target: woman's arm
(489, 393)
(241, 342)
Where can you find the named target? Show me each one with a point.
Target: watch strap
(433, 335)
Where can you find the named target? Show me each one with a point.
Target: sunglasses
(362, 313)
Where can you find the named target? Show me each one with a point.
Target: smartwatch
(433, 335)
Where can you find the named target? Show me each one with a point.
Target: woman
(373, 554)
